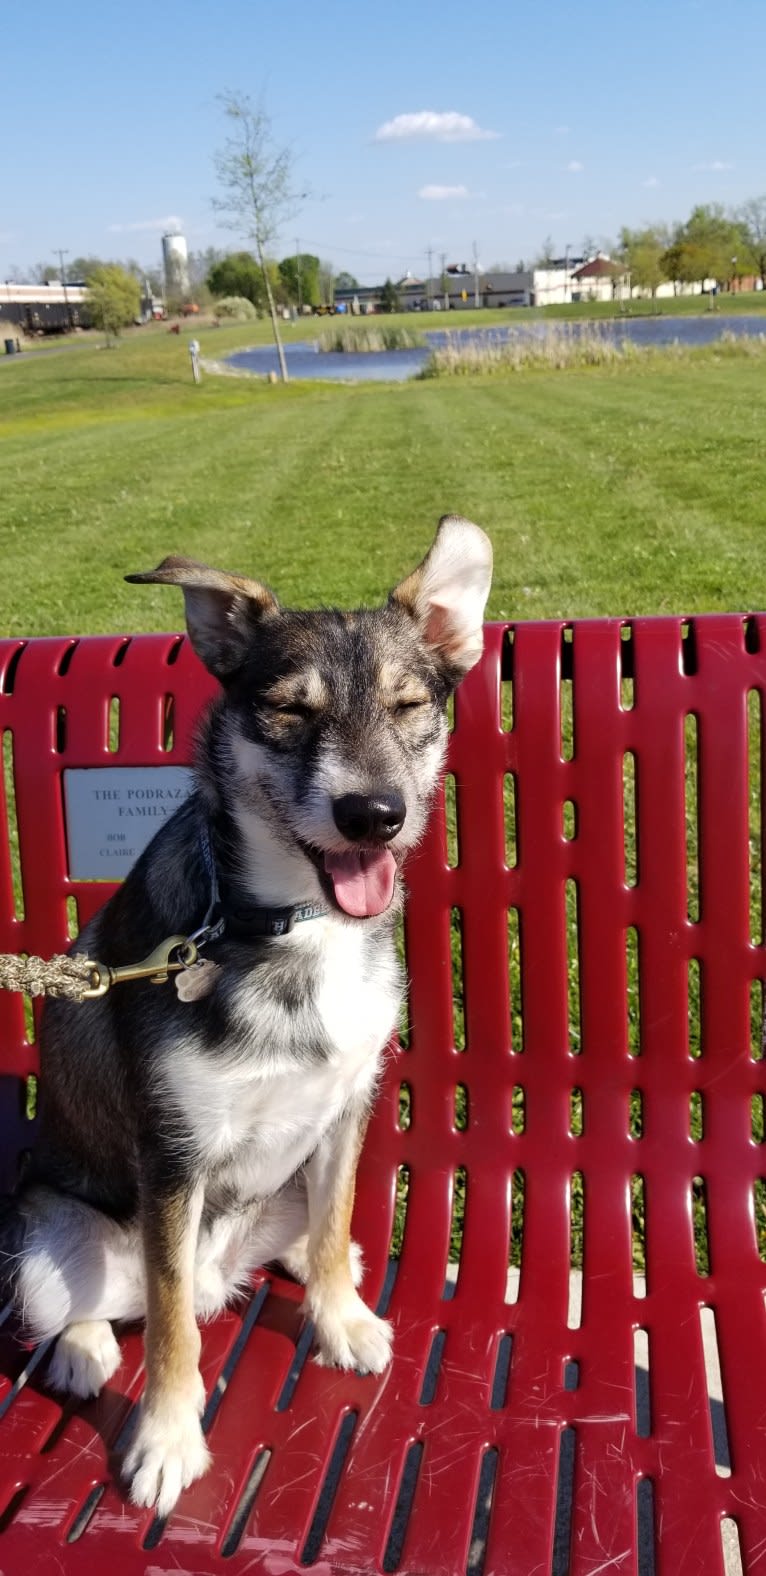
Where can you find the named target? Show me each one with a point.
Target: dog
(195, 1129)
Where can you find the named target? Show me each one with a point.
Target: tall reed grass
(361, 337)
(558, 346)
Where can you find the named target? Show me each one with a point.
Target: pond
(305, 359)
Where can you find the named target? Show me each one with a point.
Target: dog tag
(197, 981)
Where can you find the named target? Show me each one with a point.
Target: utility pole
(475, 275)
(62, 253)
(444, 281)
(300, 280)
(428, 281)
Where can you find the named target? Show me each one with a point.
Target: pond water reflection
(305, 359)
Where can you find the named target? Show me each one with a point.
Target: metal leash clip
(156, 968)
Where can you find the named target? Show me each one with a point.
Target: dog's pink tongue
(363, 880)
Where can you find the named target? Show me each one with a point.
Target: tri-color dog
(193, 1130)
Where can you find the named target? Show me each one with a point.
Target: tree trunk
(273, 312)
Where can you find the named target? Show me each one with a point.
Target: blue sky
(412, 124)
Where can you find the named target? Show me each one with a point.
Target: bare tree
(327, 283)
(256, 180)
(752, 218)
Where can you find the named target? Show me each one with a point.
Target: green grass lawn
(613, 490)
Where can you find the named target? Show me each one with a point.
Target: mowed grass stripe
(110, 499)
(601, 508)
(605, 491)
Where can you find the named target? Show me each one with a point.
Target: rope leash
(71, 978)
(78, 978)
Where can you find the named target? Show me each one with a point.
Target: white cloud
(715, 166)
(433, 126)
(561, 131)
(170, 223)
(575, 167)
(651, 180)
(442, 193)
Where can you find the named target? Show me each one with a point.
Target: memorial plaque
(112, 812)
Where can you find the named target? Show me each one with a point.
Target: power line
(359, 251)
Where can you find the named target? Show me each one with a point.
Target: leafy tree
(239, 274)
(389, 300)
(673, 260)
(84, 267)
(114, 299)
(256, 179)
(643, 253)
(300, 279)
(752, 220)
(711, 239)
(346, 281)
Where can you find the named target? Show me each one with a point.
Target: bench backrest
(581, 1083)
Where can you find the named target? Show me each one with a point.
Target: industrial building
(51, 308)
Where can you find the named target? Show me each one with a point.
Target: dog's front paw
(167, 1454)
(85, 1358)
(351, 1336)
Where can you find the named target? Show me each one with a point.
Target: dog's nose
(375, 817)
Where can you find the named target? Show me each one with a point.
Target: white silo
(175, 259)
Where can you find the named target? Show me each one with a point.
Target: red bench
(515, 1433)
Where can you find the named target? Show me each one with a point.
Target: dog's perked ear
(222, 610)
(447, 593)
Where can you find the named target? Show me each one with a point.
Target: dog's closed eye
(402, 707)
(293, 710)
(409, 702)
(299, 697)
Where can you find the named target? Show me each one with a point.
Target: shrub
(236, 308)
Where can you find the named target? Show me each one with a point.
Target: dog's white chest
(255, 1118)
(357, 1009)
